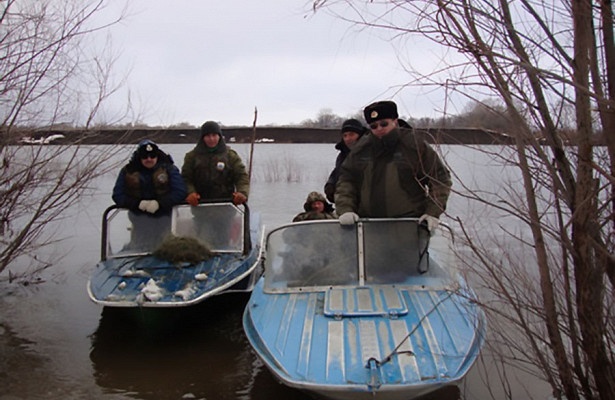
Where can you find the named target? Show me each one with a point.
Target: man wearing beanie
(212, 170)
(352, 130)
(391, 173)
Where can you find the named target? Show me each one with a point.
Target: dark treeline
(479, 123)
(476, 116)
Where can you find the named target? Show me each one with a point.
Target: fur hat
(147, 148)
(380, 110)
(353, 125)
(210, 127)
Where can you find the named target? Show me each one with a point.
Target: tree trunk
(589, 270)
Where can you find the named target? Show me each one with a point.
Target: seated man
(316, 206)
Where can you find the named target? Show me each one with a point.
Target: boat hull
(329, 357)
(150, 282)
(366, 340)
(136, 277)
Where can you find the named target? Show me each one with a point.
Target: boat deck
(131, 274)
(394, 325)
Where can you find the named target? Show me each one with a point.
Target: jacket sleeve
(242, 181)
(439, 182)
(188, 172)
(177, 189)
(119, 196)
(329, 187)
(333, 177)
(348, 187)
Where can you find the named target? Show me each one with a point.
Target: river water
(57, 344)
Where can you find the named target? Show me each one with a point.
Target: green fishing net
(179, 249)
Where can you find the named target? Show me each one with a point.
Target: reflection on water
(17, 359)
(197, 352)
(446, 393)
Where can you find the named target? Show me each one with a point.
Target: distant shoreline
(242, 135)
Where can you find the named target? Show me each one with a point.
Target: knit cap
(211, 127)
(353, 125)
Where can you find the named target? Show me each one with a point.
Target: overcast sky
(192, 61)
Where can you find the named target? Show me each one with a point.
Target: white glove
(152, 206)
(348, 218)
(432, 222)
(143, 205)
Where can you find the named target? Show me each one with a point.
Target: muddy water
(56, 344)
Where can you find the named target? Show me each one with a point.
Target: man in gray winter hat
(352, 130)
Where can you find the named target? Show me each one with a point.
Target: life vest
(213, 175)
(159, 177)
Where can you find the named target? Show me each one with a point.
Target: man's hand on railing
(193, 199)
(239, 198)
(348, 218)
(431, 222)
(150, 206)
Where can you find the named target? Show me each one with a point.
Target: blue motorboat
(133, 273)
(372, 311)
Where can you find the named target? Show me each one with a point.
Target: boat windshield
(319, 254)
(219, 226)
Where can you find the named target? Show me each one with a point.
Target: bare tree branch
(548, 273)
(46, 78)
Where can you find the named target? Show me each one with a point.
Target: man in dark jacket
(149, 186)
(212, 170)
(392, 172)
(352, 130)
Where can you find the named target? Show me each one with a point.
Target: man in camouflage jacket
(212, 170)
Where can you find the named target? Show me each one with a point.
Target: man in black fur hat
(392, 172)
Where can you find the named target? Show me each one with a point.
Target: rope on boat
(410, 352)
(425, 249)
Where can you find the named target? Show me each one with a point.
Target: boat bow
(342, 325)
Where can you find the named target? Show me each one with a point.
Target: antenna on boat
(252, 145)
